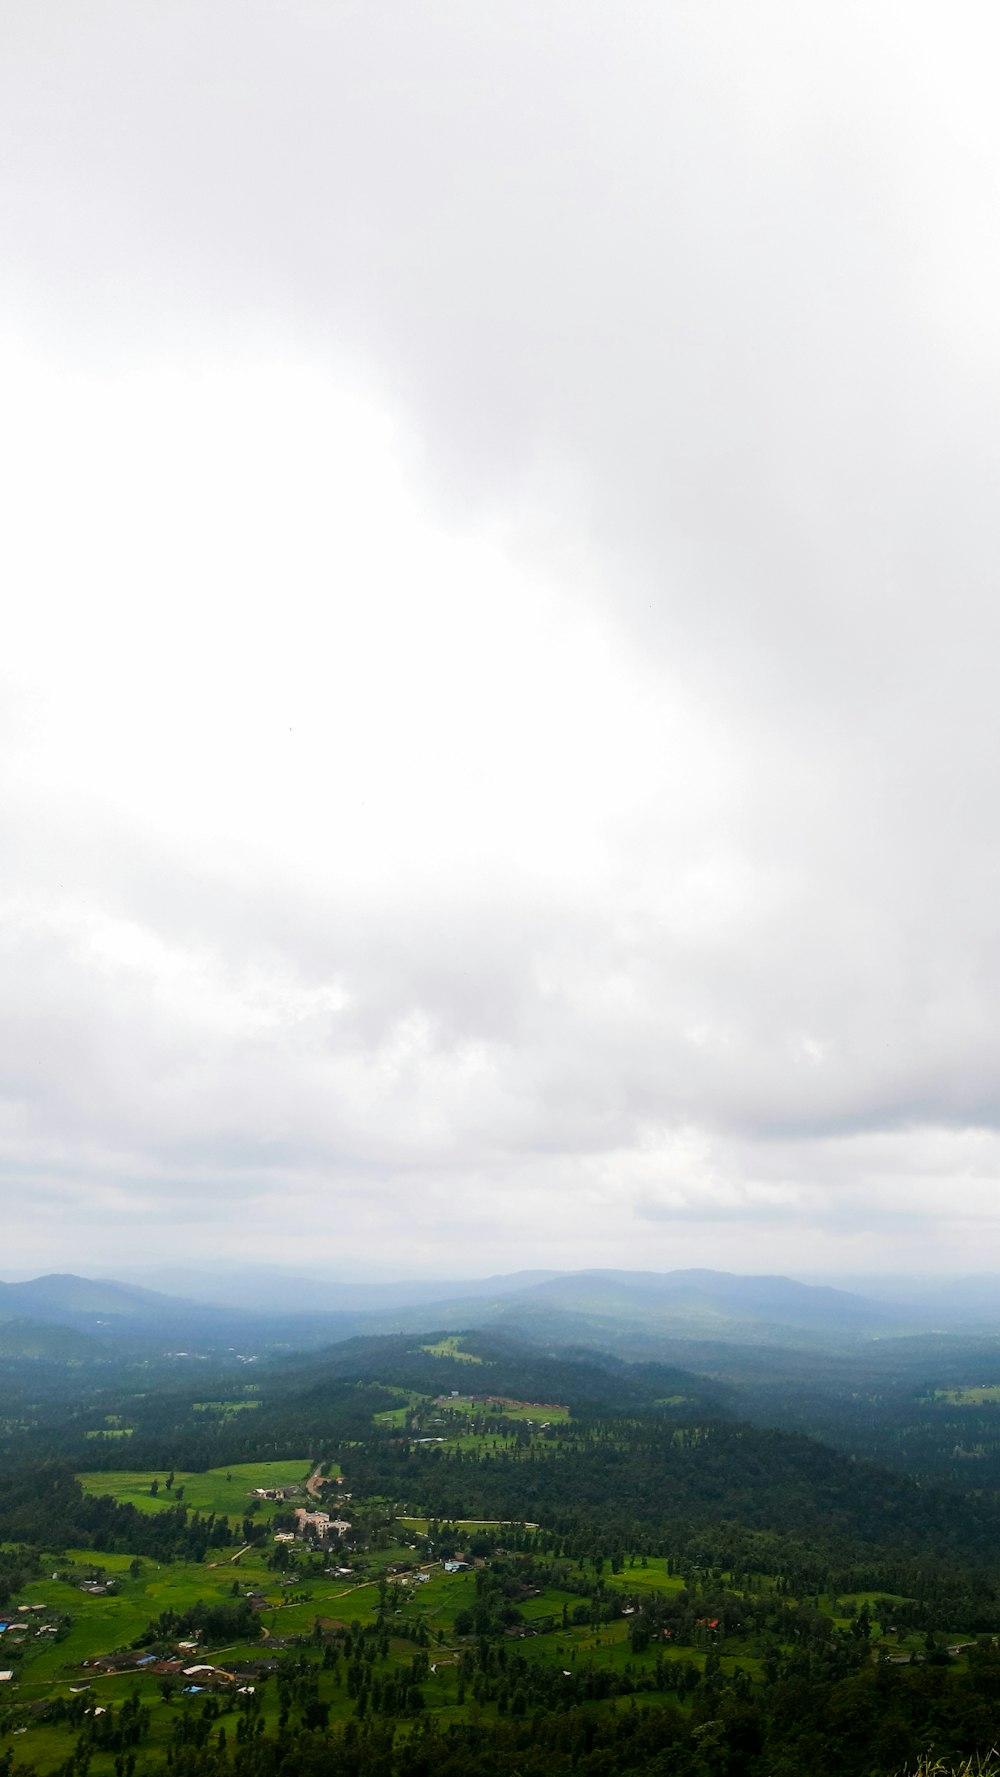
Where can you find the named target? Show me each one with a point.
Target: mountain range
(625, 1310)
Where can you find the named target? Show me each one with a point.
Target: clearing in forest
(228, 1492)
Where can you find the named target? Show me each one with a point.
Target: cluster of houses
(25, 1624)
(200, 1674)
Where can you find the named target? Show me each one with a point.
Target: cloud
(498, 743)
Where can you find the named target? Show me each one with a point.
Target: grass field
(451, 1347)
(397, 1415)
(497, 1407)
(470, 1422)
(224, 1409)
(225, 1491)
(391, 1416)
(653, 1578)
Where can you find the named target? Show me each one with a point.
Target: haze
(499, 726)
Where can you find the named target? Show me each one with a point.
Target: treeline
(227, 1619)
(17, 1566)
(46, 1508)
(165, 1429)
(872, 1722)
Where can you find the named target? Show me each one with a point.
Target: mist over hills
(63, 1293)
(630, 1312)
(961, 1298)
(110, 1313)
(265, 1289)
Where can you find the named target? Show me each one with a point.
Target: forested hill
(496, 1363)
(651, 1452)
(621, 1484)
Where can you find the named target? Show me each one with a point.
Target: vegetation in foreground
(521, 1563)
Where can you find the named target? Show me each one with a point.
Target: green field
(451, 1347)
(468, 1422)
(652, 1578)
(396, 1416)
(224, 1409)
(526, 1412)
(228, 1492)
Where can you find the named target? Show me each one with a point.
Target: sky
(499, 729)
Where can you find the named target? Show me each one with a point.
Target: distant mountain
(632, 1313)
(959, 1300)
(704, 1300)
(615, 1309)
(264, 1289)
(59, 1296)
(111, 1310)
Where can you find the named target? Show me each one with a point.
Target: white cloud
(497, 722)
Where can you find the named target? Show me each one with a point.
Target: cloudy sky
(499, 710)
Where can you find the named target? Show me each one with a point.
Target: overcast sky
(500, 726)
